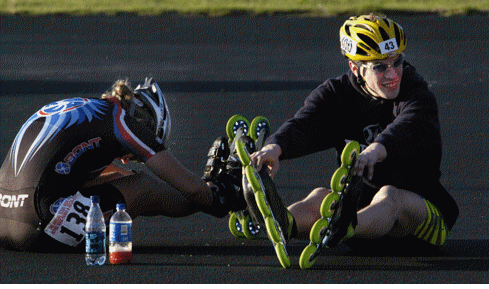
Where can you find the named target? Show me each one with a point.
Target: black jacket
(339, 111)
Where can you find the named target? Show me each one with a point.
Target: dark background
(213, 68)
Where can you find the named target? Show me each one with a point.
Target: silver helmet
(149, 104)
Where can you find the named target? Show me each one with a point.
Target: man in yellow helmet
(386, 106)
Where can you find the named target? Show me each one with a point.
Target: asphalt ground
(213, 68)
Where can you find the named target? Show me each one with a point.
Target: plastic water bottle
(95, 234)
(120, 242)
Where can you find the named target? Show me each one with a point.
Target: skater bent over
(385, 105)
(64, 153)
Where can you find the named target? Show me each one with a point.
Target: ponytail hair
(122, 91)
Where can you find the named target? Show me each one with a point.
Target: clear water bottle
(95, 234)
(120, 242)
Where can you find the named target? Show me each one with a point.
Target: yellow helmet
(371, 37)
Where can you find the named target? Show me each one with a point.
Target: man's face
(382, 77)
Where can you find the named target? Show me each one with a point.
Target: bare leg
(171, 171)
(392, 212)
(147, 196)
(306, 212)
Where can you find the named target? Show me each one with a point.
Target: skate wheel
(253, 178)
(262, 204)
(243, 154)
(258, 125)
(282, 255)
(235, 123)
(254, 229)
(325, 210)
(317, 228)
(273, 234)
(245, 224)
(351, 151)
(235, 226)
(305, 261)
(339, 179)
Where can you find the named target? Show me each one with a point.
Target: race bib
(348, 45)
(388, 46)
(68, 224)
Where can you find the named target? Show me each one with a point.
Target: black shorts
(24, 229)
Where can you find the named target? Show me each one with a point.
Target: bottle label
(120, 232)
(95, 243)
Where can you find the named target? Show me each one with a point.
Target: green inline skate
(264, 203)
(241, 223)
(338, 209)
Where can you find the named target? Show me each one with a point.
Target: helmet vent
(361, 51)
(398, 34)
(370, 42)
(384, 34)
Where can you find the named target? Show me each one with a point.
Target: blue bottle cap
(121, 206)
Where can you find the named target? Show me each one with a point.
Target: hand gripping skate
(265, 204)
(338, 209)
(241, 223)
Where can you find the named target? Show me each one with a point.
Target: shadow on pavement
(26, 87)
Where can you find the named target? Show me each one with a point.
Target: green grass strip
(230, 7)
